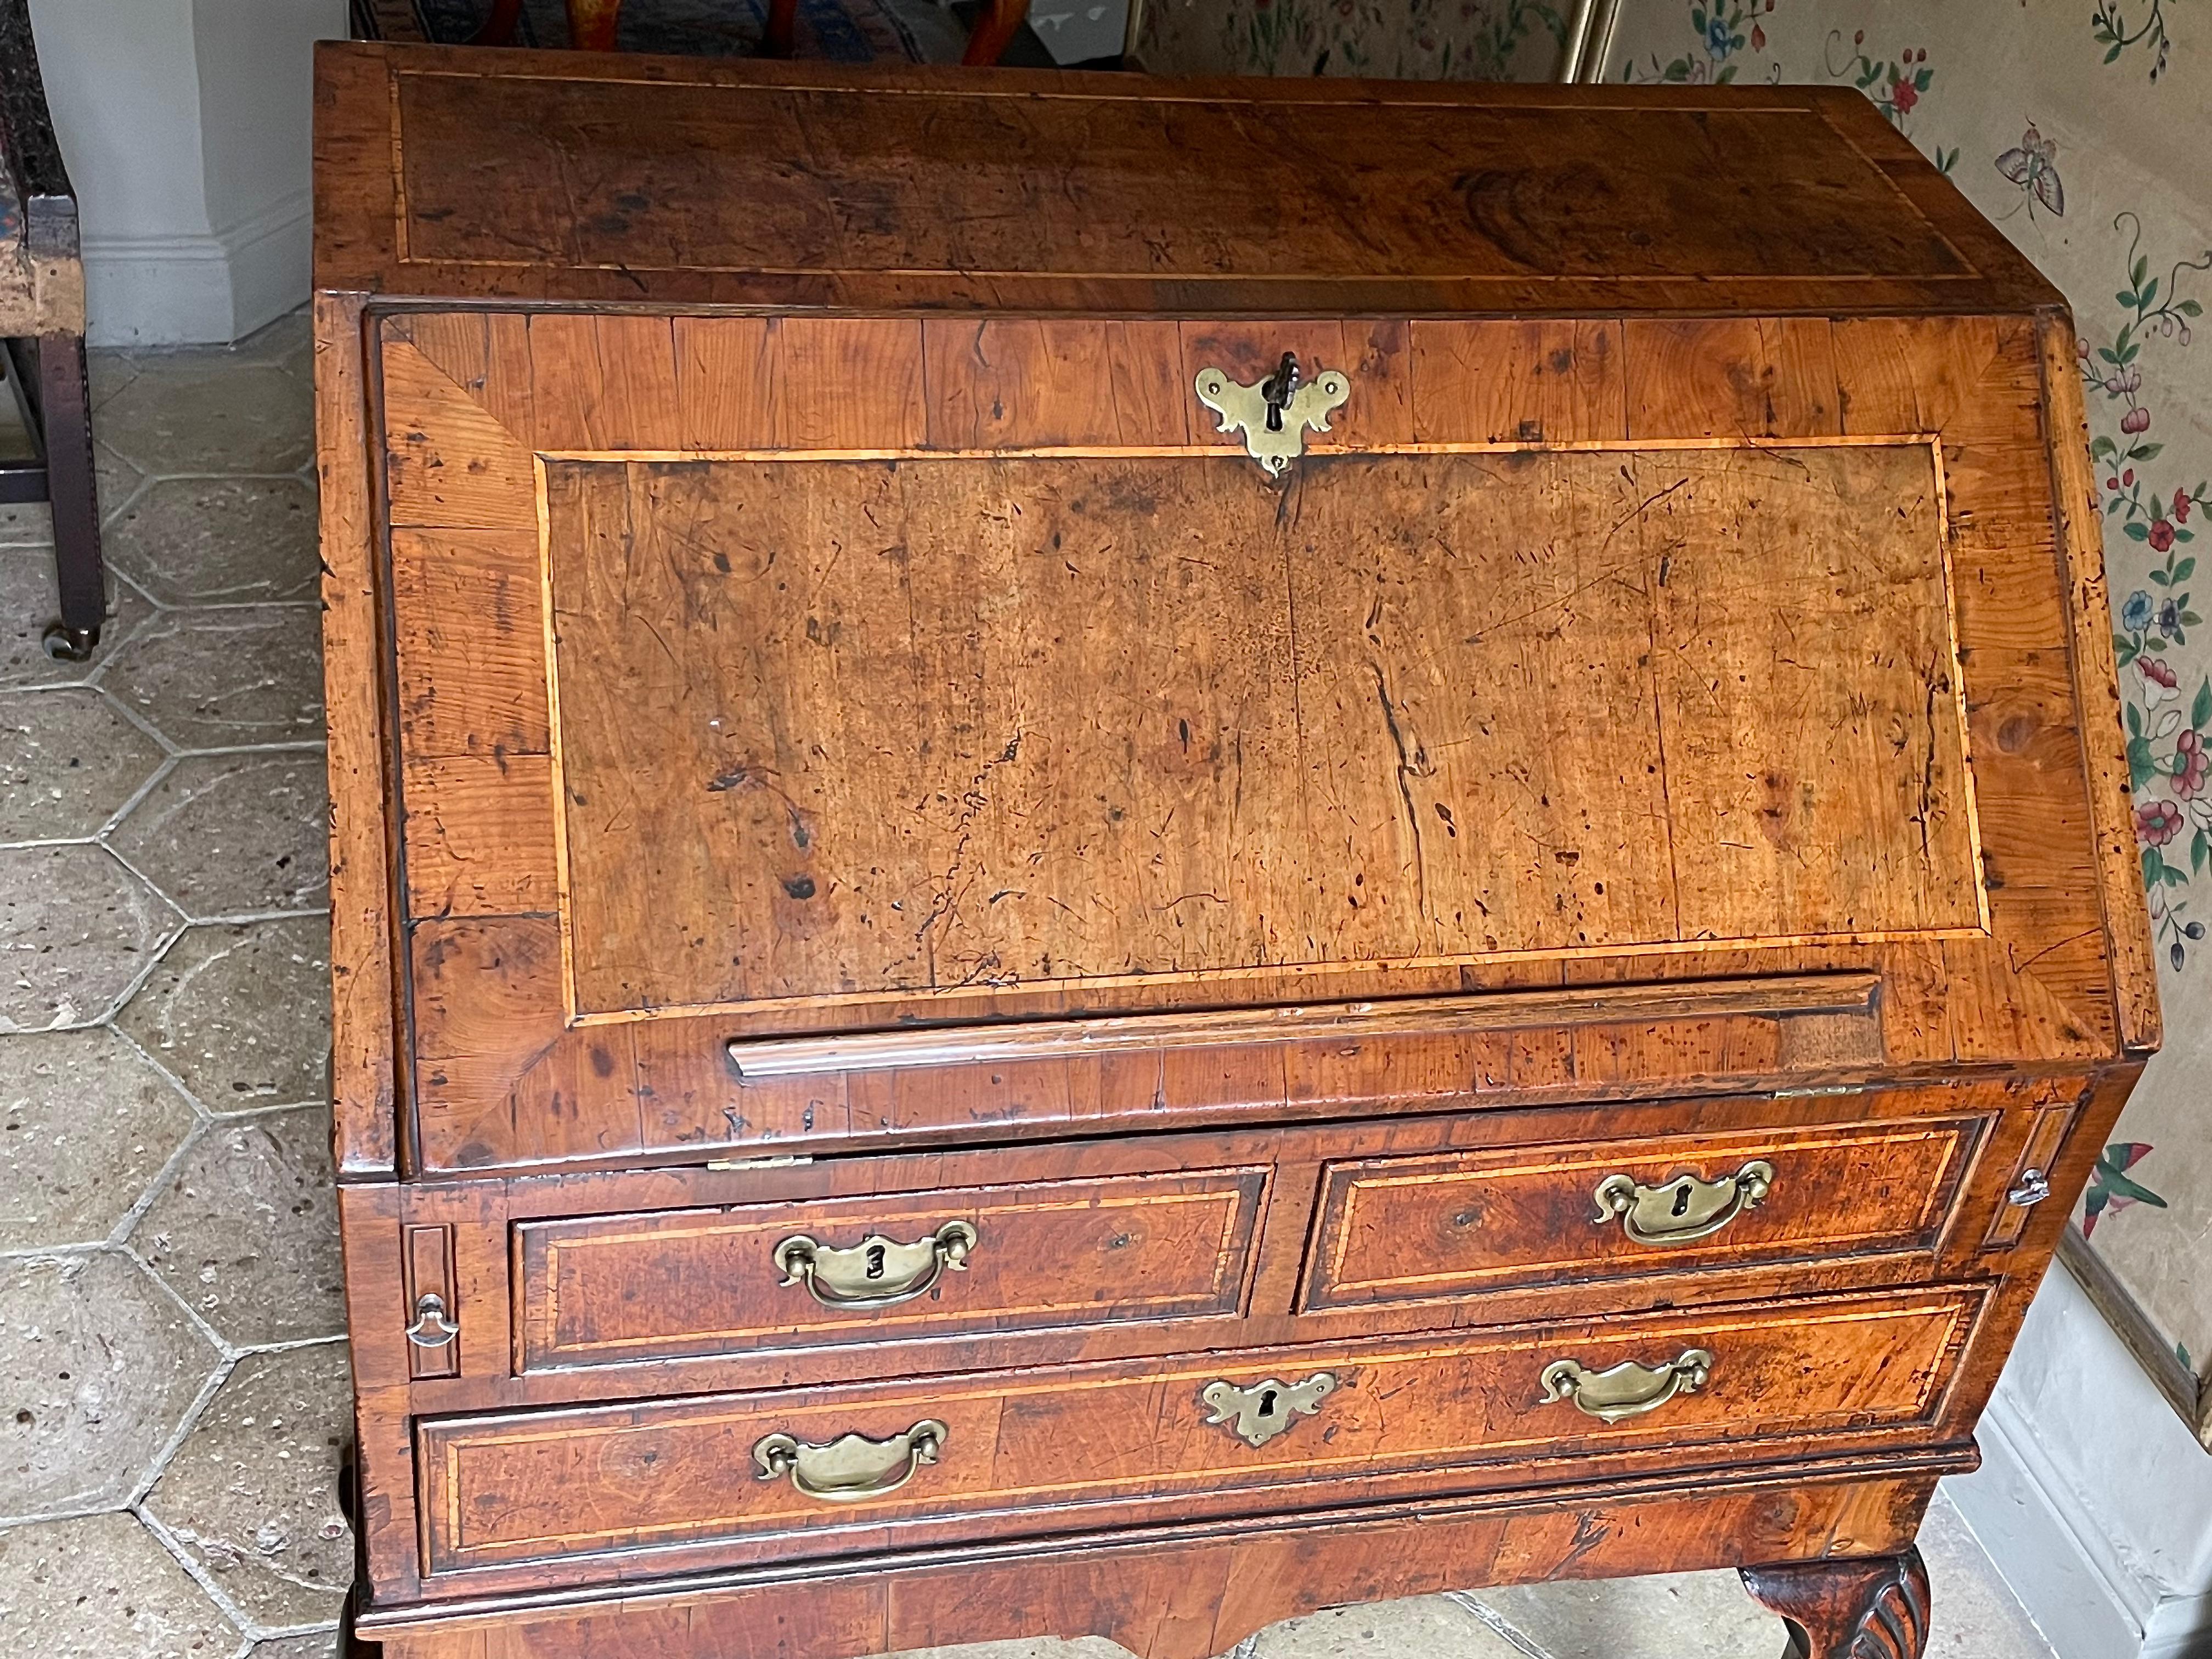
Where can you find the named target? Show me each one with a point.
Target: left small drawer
(626, 1288)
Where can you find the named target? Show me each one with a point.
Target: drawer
(1408, 1229)
(611, 1290)
(794, 1472)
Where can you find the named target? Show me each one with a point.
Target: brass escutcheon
(1275, 414)
(1258, 1413)
(1683, 1208)
(877, 1272)
(852, 1467)
(1627, 1389)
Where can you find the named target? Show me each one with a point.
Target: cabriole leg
(1866, 1610)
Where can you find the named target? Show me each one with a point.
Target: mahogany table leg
(1865, 1609)
(782, 20)
(592, 24)
(994, 31)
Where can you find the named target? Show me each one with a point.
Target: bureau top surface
(642, 181)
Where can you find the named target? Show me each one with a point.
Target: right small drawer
(1416, 1229)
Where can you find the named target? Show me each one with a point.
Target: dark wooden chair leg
(1864, 1609)
(592, 24)
(782, 24)
(995, 30)
(65, 416)
(499, 28)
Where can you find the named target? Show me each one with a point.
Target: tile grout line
(1466, 1601)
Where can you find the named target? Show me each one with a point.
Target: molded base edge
(1195, 1592)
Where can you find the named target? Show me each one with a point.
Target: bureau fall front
(1116, 857)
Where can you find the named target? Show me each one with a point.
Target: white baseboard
(191, 290)
(2093, 1497)
(2054, 1571)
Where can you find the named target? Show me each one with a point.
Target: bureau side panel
(364, 916)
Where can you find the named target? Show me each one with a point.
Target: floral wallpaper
(2085, 130)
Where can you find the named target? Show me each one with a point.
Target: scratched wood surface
(1674, 693)
(681, 182)
(1288, 717)
(1196, 1598)
(1775, 815)
(1061, 1254)
(1406, 1414)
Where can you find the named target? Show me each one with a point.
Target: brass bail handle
(1683, 1208)
(877, 1272)
(852, 1467)
(1627, 1389)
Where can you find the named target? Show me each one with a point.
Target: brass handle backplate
(877, 1272)
(1683, 1208)
(1627, 1389)
(1275, 414)
(852, 1467)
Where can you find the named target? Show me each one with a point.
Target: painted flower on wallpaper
(2033, 164)
(2167, 740)
(2113, 34)
(1723, 31)
(1895, 85)
(2110, 1188)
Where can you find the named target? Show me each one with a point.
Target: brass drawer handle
(852, 1467)
(877, 1272)
(1683, 1208)
(431, 1329)
(1627, 1389)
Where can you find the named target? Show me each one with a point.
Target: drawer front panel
(1429, 1411)
(1410, 1229)
(611, 1290)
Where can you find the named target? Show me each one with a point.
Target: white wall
(2093, 1499)
(186, 123)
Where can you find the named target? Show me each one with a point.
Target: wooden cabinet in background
(1117, 857)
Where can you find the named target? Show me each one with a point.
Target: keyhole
(1267, 1402)
(1274, 417)
(876, 1260)
(1682, 1199)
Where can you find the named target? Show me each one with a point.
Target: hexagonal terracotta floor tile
(226, 835)
(241, 1012)
(103, 1588)
(225, 678)
(69, 760)
(97, 1369)
(85, 1124)
(252, 1493)
(219, 541)
(76, 929)
(247, 1231)
(201, 412)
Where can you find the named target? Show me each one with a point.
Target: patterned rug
(843, 31)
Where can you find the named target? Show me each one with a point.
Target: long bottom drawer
(734, 1477)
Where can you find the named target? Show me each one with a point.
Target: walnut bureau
(1118, 857)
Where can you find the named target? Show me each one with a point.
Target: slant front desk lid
(1529, 708)
(629, 180)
